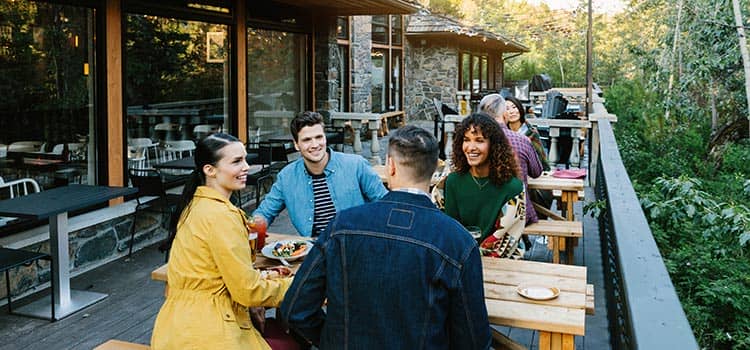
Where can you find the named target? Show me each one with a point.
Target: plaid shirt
(529, 163)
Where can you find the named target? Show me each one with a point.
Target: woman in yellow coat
(212, 282)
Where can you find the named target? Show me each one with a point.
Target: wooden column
(115, 121)
(240, 56)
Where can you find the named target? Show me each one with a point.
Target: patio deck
(134, 299)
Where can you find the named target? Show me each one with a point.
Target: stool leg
(132, 231)
(7, 289)
(52, 290)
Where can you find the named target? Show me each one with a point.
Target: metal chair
(12, 258)
(149, 183)
(203, 130)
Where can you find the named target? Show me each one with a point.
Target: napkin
(570, 173)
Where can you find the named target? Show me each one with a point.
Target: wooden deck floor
(134, 300)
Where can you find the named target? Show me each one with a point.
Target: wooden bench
(113, 344)
(590, 307)
(557, 231)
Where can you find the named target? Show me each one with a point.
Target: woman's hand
(258, 316)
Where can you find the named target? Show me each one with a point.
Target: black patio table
(55, 204)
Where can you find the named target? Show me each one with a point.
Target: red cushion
(277, 338)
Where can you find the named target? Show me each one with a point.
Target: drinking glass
(474, 231)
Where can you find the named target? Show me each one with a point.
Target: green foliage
(696, 210)
(595, 208)
(703, 241)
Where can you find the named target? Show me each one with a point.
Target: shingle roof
(425, 24)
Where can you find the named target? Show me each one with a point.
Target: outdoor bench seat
(113, 344)
(558, 231)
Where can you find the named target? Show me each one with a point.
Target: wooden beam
(240, 57)
(115, 132)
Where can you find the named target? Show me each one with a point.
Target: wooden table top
(549, 182)
(564, 314)
(261, 261)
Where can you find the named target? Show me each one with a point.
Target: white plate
(538, 292)
(267, 251)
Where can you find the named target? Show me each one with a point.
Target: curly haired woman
(485, 174)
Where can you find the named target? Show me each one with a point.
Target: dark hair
(416, 149)
(307, 118)
(503, 165)
(519, 106)
(207, 151)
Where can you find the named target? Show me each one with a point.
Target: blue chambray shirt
(350, 178)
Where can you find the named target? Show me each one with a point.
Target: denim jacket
(350, 178)
(397, 274)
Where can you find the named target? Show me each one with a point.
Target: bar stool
(10, 258)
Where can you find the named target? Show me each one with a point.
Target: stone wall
(361, 63)
(431, 72)
(90, 247)
(326, 64)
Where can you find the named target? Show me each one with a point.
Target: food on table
(289, 249)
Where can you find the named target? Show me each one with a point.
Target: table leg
(556, 341)
(555, 249)
(67, 301)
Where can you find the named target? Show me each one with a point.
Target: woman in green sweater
(485, 174)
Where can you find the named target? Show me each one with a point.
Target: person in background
(516, 121)
(515, 118)
(397, 273)
(212, 282)
(485, 175)
(319, 184)
(528, 160)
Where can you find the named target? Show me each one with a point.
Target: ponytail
(206, 152)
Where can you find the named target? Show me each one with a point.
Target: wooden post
(240, 56)
(115, 131)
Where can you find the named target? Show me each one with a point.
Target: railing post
(575, 157)
(374, 126)
(554, 133)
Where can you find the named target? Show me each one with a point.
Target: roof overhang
(440, 27)
(472, 40)
(358, 7)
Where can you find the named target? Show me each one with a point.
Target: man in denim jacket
(322, 183)
(397, 273)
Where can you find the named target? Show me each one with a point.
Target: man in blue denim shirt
(321, 183)
(397, 273)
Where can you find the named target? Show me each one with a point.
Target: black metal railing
(643, 307)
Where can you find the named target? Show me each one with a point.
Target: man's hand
(258, 316)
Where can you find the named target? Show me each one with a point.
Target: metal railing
(643, 307)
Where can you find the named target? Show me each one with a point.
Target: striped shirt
(324, 208)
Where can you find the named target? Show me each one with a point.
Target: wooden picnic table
(558, 320)
(568, 190)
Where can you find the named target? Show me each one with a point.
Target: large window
(387, 62)
(343, 77)
(276, 83)
(176, 85)
(47, 89)
(474, 73)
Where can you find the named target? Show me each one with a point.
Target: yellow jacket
(212, 281)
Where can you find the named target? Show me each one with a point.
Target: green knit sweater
(471, 205)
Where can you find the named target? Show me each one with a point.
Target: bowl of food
(288, 249)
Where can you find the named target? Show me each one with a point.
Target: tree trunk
(675, 44)
(712, 100)
(743, 51)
